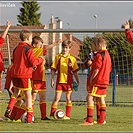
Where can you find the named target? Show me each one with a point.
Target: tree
(119, 49)
(131, 23)
(28, 14)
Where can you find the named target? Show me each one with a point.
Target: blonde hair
(99, 40)
(25, 34)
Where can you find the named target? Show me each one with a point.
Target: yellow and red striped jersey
(65, 65)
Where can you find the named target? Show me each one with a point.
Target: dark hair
(36, 39)
(25, 34)
(66, 43)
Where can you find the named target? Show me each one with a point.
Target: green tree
(28, 14)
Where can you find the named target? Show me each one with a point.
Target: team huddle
(25, 77)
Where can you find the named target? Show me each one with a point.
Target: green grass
(119, 118)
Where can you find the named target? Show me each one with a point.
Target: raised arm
(8, 24)
(54, 44)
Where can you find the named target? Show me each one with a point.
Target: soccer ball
(59, 114)
(23, 118)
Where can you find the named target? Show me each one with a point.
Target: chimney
(59, 24)
(52, 24)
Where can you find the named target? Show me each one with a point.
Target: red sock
(90, 110)
(98, 110)
(102, 113)
(14, 112)
(68, 109)
(53, 109)
(21, 111)
(43, 109)
(29, 115)
(12, 102)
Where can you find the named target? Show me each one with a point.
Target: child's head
(99, 43)
(37, 42)
(66, 46)
(26, 36)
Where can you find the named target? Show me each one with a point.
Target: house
(48, 38)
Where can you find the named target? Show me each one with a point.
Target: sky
(75, 15)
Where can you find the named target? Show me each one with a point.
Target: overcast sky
(75, 15)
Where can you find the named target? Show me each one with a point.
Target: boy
(23, 61)
(38, 75)
(2, 39)
(98, 80)
(128, 32)
(66, 66)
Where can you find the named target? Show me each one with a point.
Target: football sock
(90, 110)
(29, 115)
(12, 102)
(21, 111)
(43, 109)
(14, 112)
(53, 109)
(68, 109)
(102, 113)
(98, 110)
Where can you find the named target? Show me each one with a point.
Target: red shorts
(64, 87)
(97, 91)
(38, 85)
(22, 84)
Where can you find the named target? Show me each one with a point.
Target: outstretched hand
(126, 25)
(59, 41)
(9, 23)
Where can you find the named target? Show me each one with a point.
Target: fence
(120, 89)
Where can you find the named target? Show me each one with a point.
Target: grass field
(119, 118)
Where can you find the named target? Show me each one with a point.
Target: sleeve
(75, 65)
(55, 63)
(97, 62)
(129, 36)
(2, 40)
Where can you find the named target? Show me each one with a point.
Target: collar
(61, 55)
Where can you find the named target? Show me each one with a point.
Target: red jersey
(1, 54)
(24, 60)
(129, 36)
(103, 64)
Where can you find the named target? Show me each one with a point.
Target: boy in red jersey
(66, 66)
(128, 32)
(98, 80)
(23, 61)
(2, 39)
(38, 75)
